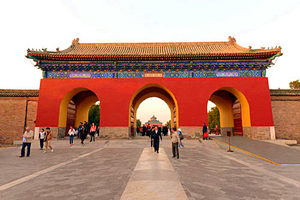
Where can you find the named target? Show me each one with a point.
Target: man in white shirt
(27, 138)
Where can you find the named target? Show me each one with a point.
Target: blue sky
(51, 24)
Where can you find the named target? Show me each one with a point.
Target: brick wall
(12, 117)
(286, 113)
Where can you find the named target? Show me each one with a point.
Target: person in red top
(92, 132)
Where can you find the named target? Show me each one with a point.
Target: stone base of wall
(61, 132)
(258, 132)
(114, 132)
(224, 130)
(191, 131)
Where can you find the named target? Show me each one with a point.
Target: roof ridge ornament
(75, 41)
(231, 39)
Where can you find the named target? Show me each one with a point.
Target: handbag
(205, 134)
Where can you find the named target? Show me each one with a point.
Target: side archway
(74, 108)
(148, 91)
(234, 110)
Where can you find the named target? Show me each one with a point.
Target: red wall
(191, 94)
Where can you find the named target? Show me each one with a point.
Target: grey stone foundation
(225, 129)
(114, 132)
(258, 132)
(191, 131)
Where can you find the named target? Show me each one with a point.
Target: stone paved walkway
(276, 153)
(129, 169)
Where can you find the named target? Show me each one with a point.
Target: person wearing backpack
(181, 138)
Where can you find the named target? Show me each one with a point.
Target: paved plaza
(129, 170)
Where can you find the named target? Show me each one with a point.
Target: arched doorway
(233, 109)
(74, 108)
(148, 91)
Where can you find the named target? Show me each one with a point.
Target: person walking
(48, 140)
(71, 133)
(80, 130)
(27, 138)
(150, 134)
(181, 138)
(41, 137)
(156, 134)
(83, 135)
(93, 132)
(175, 141)
(204, 131)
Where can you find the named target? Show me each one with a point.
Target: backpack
(181, 136)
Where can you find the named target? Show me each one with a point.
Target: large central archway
(148, 91)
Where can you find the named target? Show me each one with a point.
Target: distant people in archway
(41, 137)
(148, 131)
(165, 130)
(27, 138)
(71, 133)
(48, 140)
(156, 134)
(175, 141)
(181, 138)
(144, 130)
(93, 132)
(137, 130)
(204, 132)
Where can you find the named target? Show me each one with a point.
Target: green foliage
(168, 124)
(138, 123)
(94, 114)
(213, 117)
(295, 84)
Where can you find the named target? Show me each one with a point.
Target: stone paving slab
(204, 170)
(102, 175)
(206, 174)
(276, 153)
(154, 178)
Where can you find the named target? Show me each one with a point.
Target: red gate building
(186, 75)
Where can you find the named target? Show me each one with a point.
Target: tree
(94, 114)
(138, 123)
(168, 124)
(295, 84)
(213, 117)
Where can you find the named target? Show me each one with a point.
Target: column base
(114, 132)
(258, 132)
(191, 131)
(224, 130)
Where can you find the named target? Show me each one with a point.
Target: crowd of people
(155, 134)
(46, 136)
(146, 130)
